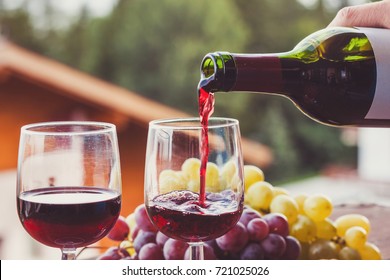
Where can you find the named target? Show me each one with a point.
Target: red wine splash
(206, 109)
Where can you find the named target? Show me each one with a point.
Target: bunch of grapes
(188, 177)
(273, 225)
(309, 221)
(258, 237)
(253, 237)
(139, 240)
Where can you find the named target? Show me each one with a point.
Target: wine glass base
(196, 250)
(68, 253)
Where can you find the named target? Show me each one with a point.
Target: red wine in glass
(68, 216)
(179, 215)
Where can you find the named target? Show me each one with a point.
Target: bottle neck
(258, 73)
(242, 72)
(218, 72)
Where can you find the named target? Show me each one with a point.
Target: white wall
(374, 154)
(16, 243)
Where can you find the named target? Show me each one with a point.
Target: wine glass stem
(68, 254)
(196, 251)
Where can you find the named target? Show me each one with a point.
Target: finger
(369, 15)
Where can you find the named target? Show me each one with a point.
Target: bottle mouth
(208, 67)
(218, 72)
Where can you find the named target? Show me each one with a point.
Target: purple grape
(257, 229)
(208, 253)
(134, 232)
(120, 231)
(234, 240)
(143, 237)
(161, 238)
(252, 251)
(247, 215)
(293, 249)
(151, 251)
(277, 223)
(174, 249)
(142, 219)
(274, 246)
(219, 253)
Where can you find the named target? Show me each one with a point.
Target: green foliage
(155, 48)
(17, 24)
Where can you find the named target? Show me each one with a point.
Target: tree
(17, 26)
(156, 46)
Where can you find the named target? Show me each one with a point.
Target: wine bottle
(337, 76)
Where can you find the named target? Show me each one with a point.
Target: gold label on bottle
(380, 42)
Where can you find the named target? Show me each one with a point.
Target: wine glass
(68, 183)
(184, 199)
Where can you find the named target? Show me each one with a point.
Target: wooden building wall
(23, 102)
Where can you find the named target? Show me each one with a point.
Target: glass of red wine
(68, 183)
(194, 179)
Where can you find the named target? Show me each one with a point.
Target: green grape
(278, 190)
(191, 168)
(347, 253)
(322, 249)
(318, 207)
(193, 185)
(235, 184)
(130, 220)
(300, 199)
(259, 195)
(128, 246)
(304, 251)
(343, 223)
(285, 205)
(252, 174)
(370, 252)
(170, 180)
(228, 172)
(303, 229)
(355, 237)
(326, 229)
(212, 178)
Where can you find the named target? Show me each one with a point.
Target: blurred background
(154, 49)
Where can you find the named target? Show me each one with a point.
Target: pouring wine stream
(206, 109)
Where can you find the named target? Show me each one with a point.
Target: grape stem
(90, 247)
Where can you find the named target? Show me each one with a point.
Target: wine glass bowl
(68, 183)
(184, 200)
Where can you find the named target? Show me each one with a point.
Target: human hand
(376, 14)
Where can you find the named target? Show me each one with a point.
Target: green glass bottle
(337, 76)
